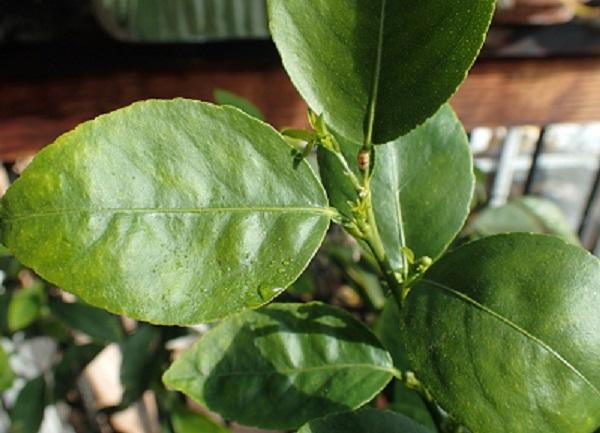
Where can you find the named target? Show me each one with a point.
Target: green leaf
(28, 412)
(505, 334)
(139, 366)
(366, 420)
(283, 365)
(377, 69)
(480, 195)
(421, 188)
(391, 333)
(223, 97)
(336, 176)
(525, 214)
(172, 212)
(410, 404)
(298, 134)
(25, 306)
(100, 325)
(7, 375)
(187, 421)
(4, 252)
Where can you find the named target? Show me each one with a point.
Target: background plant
(195, 213)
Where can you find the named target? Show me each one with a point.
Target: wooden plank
(536, 92)
(33, 114)
(34, 111)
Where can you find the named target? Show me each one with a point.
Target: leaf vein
(524, 332)
(258, 209)
(288, 371)
(376, 76)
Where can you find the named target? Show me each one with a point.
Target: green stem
(348, 171)
(443, 422)
(376, 78)
(405, 265)
(438, 419)
(364, 226)
(372, 238)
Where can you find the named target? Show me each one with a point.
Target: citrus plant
(179, 212)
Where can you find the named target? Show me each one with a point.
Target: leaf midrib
(289, 371)
(376, 76)
(398, 201)
(524, 332)
(207, 210)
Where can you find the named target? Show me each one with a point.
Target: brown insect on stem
(364, 160)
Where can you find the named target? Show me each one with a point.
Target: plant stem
(443, 422)
(372, 238)
(348, 171)
(364, 227)
(437, 417)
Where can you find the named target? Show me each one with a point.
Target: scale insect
(364, 160)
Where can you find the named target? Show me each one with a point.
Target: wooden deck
(36, 108)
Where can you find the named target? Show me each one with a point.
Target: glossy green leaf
(336, 179)
(6, 373)
(98, 324)
(187, 421)
(25, 306)
(173, 212)
(391, 333)
(505, 333)
(422, 186)
(302, 135)
(139, 366)
(377, 69)
(223, 97)
(28, 412)
(524, 214)
(410, 404)
(283, 365)
(363, 421)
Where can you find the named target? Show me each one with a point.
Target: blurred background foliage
(132, 20)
